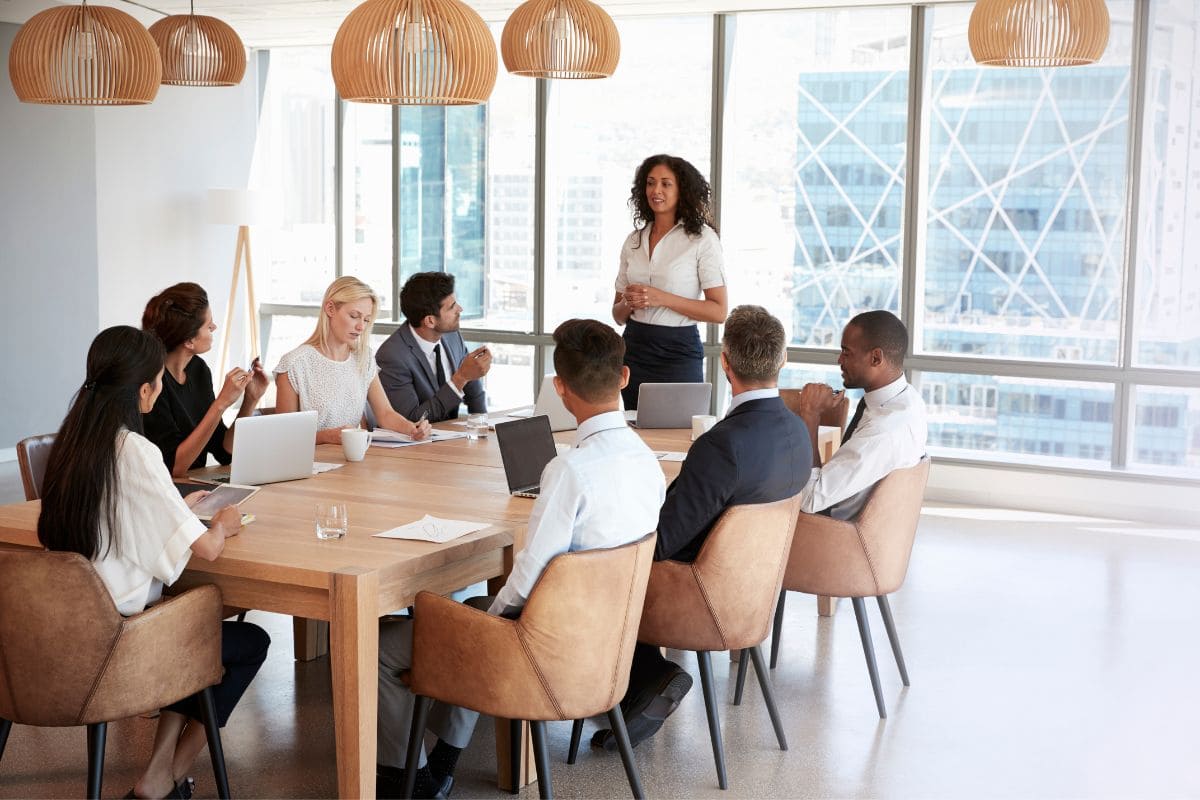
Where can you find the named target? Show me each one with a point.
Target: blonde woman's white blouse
(336, 390)
(683, 265)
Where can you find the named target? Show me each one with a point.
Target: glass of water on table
(477, 426)
(331, 521)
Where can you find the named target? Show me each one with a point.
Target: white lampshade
(235, 207)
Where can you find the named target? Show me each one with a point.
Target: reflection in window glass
(1167, 310)
(1166, 429)
(814, 151)
(367, 198)
(1018, 416)
(598, 133)
(294, 162)
(1025, 234)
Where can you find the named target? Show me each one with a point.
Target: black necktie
(858, 412)
(437, 364)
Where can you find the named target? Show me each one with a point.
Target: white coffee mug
(354, 443)
(701, 423)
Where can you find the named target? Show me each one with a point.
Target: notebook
(526, 447)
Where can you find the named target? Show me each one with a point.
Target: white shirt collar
(751, 394)
(876, 398)
(426, 346)
(601, 422)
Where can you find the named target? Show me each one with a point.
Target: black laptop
(526, 447)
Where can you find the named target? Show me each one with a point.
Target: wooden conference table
(277, 563)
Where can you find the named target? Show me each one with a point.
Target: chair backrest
(31, 458)
(867, 556)
(580, 624)
(58, 625)
(725, 598)
(835, 416)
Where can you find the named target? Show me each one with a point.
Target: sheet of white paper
(382, 437)
(324, 466)
(433, 529)
(668, 455)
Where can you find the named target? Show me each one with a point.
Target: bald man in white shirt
(888, 429)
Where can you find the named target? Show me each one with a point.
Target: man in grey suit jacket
(424, 366)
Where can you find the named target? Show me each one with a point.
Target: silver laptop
(526, 447)
(273, 447)
(670, 405)
(549, 404)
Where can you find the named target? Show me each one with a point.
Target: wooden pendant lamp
(84, 56)
(1038, 33)
(414, 52)
(199, 51)
(560, 39)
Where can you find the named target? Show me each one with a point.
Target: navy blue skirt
(661, 354)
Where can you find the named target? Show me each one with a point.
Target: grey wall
(48, 256)
(99, 209)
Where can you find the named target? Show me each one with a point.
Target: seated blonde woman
(334, 372)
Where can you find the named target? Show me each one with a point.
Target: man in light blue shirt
(605, 491)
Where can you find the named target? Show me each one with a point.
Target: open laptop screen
(526, 447)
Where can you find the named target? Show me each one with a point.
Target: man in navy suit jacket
(759, 453)
(424, 366)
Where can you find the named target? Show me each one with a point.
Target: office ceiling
(278, 23)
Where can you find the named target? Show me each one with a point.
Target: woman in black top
(185, 422)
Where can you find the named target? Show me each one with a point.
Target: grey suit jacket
(410, 383)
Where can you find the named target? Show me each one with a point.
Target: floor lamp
(240, 207)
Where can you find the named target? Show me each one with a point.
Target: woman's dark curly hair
(695, 195)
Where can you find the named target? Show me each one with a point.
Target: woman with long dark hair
(186, 423)
(672, 275)
(107, 496)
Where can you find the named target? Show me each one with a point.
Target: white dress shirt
(751, 394)
(682, 264)
(427, 349)
(155, 528)
(605, 491)
(890, 435)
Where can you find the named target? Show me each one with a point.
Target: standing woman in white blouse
(672, 275)
(334, 372)
(108, 496)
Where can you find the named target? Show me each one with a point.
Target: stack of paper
(382, 437)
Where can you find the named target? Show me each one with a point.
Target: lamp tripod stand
(243, 249)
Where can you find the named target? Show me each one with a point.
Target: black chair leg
(885, 610)
(96, 733)
(541, 759)
(864, 632)
(5, 727)
(208, 715)
(241, 617)
(416, 739)
(741, 677)
(516, 738)
(617, 721)
(768, 693)
(777, 628)
(710, 707)
(576, 735)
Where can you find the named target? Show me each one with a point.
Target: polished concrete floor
(1050, 657)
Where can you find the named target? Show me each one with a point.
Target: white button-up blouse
(682, 264)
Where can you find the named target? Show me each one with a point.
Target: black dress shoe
(389, 785)
(647, 712)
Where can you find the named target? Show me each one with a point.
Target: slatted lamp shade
(560, 39)
(84, 56)
(414, 52)
(199, 51)
(1038, 33)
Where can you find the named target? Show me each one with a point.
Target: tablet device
(229, 494)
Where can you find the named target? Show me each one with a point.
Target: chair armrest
(168, 652)
(469, 658)
(828, 558)
(675, 613)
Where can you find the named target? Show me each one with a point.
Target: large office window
(597, 134)
(367, 197)
(815, 127)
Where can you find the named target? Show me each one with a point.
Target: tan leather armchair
(566, 657)
(32, 453)
(723, 600)
(68, 657)
(865, 557)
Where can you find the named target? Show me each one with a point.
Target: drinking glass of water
(331, 520)
(477, 426)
